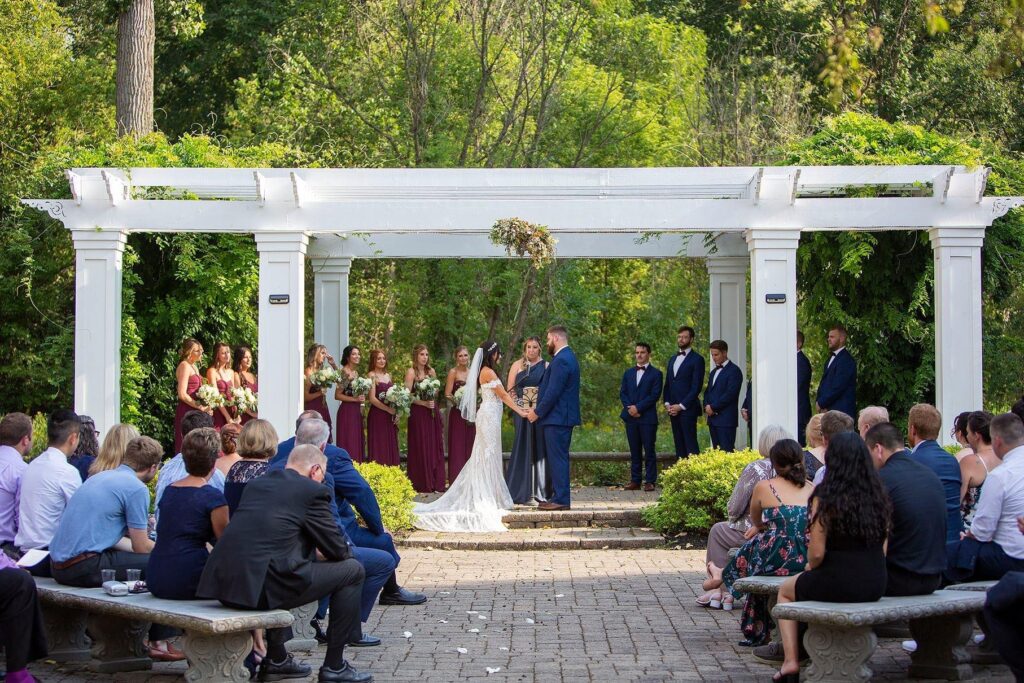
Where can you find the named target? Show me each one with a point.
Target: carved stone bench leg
(984, 654)
(839, 654)
(117, 644)
(217, 658)
(774, 636)
(303, 634)
(65, 634)
(941, 647)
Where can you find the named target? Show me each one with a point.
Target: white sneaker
(979, 638)
(910, 645)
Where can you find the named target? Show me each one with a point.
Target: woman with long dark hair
(351, 436)
(974, 468)
(381, 419)
(88, 447)
(316, 397)
(425, 435)
(460, 432)
(848, 526)
(245, 377)
(526, 474)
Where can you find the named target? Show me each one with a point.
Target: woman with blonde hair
(814, 455)
(112, 451)
(189, 380)
(316, 397)
(257, 444)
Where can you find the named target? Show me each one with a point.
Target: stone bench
(763, 585)
(840, 639)
(217, 638)
(972, 586)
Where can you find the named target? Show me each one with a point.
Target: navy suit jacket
(838, 387)
(558, 397)
(746, 400)
(644, 396)
(803, 388)
(684, 388)
(724, 396)
(938, 460)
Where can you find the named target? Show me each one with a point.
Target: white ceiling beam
(300, 190)
(261, 187)
(117, 189)
(75, 183)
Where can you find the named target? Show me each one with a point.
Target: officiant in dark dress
(526, 474)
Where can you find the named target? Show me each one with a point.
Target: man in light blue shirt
(174, 469)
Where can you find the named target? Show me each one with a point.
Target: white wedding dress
(478, 498)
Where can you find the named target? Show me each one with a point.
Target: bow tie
(683, 352)
(641, 368)
(719, 367)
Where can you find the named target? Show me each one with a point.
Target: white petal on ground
(461, 650)
(560, 595)
(474, 630)
(481, 617)
(493, 669)
(471, 611)
(530, 621)
(442, 621)
(503, 648)
(407, 634)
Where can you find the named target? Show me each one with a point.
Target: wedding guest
(174, 469)
(994, 545)
(837, 389)
(257, 444)
(526, 474)
(803, 389)
(684, 377)
(22, 633)
(923, 425)
(112, 451)
(975, 467)
(220, 375)
(15, 443)
(351, 436)
(266, 559)
(959, 435)
(722, 397)
(847, 527)
(425, 447)
(1004, 616)
(916, 553)
(747, 410)
(461, 433)
(869, 417)
(194, 514)
(228, 448)
(638, 393)
(189, 380)
(245, 378)
(732, 533)
(814, 456)
(88, 447)
(381, 419)
(316, 397)
(47, 485)
(833, 423)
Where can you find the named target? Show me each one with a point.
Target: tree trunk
(136, 39)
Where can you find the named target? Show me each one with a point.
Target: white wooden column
(98, 269)
(330, 307)
(773, 326)
(728, 276)
(282, 310)
(958, 337)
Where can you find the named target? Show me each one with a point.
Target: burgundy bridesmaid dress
(350, 430)
(319, 404)
(218, 417)
(425, 449)
(255, 388)
(461, 434)
(194, 382)
(381, 433)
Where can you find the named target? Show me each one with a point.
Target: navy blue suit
(803, 396)
(723, 395)
(558, 411)
(837, 389)
(641, 431)
(934, 457)
(683, 388)
(747, 403)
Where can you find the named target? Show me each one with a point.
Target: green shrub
(696, 490)
(953, 448)
(39, 437)
(394, 493)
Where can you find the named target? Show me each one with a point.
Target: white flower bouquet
(398, 398)
(324, 377)
(360, 386)
(243, 399)
(457, 396)
(427, 388)
(208, 396)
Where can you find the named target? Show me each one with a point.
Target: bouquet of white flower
(324, 377)
(427, 388)
(457, 396)
(244, 399)
(360, 386)
(398, 398)
(208, 396)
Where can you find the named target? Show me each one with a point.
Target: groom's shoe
(402, 597)
(632, 486)
(648, 487)
(552, 506)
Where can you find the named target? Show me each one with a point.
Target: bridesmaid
(245, 378)
(460, 432)
(526, 475)
(425, 439)
(381, 421)
(189, 381)
(220, 375)
(350, 413)
(316, 398)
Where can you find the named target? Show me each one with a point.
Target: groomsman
(722, 397)
(641, 387)
(803, 389)
(838, 387)
(684, 377)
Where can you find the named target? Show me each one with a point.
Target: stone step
(562, 538)
(539, 519)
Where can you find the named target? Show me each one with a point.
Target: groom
(557, 412)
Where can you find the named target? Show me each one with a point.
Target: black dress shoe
(344, 675)
(289, 668)
(318, 631)
(402, 597)
(366, 640)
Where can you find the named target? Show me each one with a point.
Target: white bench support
(941, 647)
(839, 654)
(65, 634)
(303, 634)
(219, 658)
(117, 644)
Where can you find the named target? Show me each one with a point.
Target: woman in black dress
(847, 528)
(526, 475)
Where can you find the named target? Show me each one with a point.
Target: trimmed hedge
(695, 491)
(394, 493)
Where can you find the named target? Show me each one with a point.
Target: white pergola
(755, 216)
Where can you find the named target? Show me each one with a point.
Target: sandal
(168, 655)
(727, 602)
(716, 601)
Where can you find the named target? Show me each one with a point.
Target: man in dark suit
(837, 389)
(557, 412)
(722, 397)
(747, 412)
(267, 559)
(639, 393)
(684, 378)
(923, 426)
(803, 390)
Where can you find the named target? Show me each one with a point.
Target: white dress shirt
(46, 487)
(679, 361)
(719, 369)
(640, 370)
(1001, 503)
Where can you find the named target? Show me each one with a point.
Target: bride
(478, 498)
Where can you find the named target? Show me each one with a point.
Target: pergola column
(98, 269)
(958, 337)
(330, 307)
(281, 314)
(773, 326)
(728, 276)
